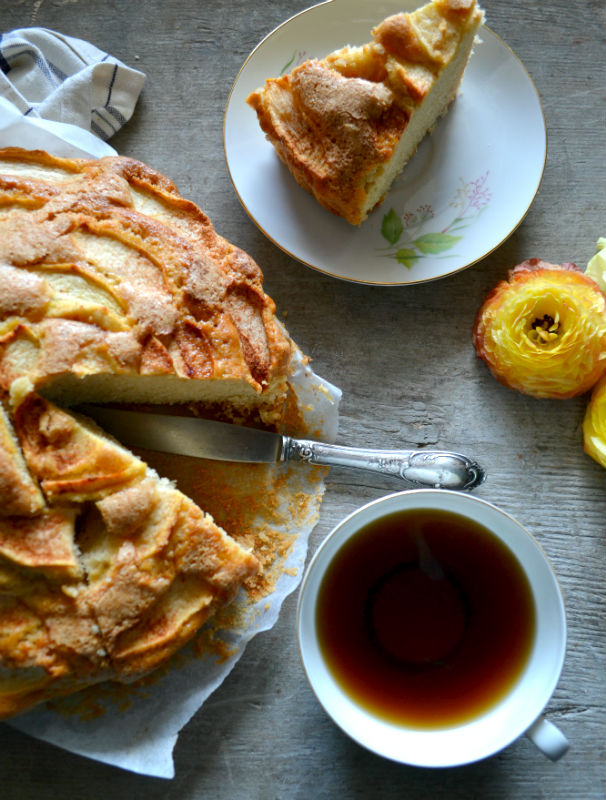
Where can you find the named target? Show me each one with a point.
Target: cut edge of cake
(423, 119)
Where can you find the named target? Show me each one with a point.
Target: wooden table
(404, 360)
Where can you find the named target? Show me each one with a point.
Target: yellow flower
(594, 423)
(543, 331)
(596, 268)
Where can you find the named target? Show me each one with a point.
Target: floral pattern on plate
(414, 234)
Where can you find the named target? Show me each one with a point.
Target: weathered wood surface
(404, 359)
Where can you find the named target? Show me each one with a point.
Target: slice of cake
(115, 572)
(346, 125)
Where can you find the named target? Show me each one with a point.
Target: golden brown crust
(74, 461)
(106, 272)
(397, 37)
(43, 544)
(328, 129)
(337, 122)
(19, 492)
(112, 270)
(116, 571)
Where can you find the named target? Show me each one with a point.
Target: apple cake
(114, 288)
(346, 125)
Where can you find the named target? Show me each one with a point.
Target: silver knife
(222, 441)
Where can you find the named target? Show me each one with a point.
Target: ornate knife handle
(440, 469)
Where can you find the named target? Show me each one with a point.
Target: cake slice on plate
(346, 125)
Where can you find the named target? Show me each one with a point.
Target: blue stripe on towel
(103, 119)
(98, 131)
(111, 86)
(57, 72)
(116, 114)
(25, 49)
(4, 65)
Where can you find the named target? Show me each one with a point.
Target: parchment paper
(136, 727)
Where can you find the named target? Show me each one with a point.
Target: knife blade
(223, 441)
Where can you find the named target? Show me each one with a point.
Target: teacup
(403, 655)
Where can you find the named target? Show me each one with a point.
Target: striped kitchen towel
(56, 77)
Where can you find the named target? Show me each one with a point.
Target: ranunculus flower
(596, 268)
(594, 423)
(543, 331)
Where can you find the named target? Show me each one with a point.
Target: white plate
(464, 192)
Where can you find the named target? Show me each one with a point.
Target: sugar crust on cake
(114, 288)
(346, 125)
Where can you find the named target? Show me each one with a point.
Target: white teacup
(517, 712)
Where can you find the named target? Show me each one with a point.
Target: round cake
(114, 289)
